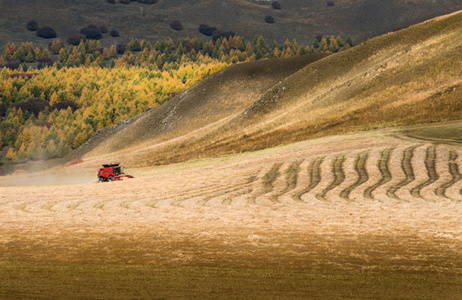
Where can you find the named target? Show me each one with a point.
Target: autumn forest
(53, 99)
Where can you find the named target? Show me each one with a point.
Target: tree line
(53, 99)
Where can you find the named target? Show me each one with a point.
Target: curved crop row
(314, 173)
(382, 165)
(339, 176)
(430, 165)
(406, 165)
(363, 176)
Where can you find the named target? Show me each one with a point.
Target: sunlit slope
(201, 109)
(409, 77)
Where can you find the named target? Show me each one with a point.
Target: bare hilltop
(299, 19)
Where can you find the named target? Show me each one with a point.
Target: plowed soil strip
(430, 165)
(339, 176)
(207, 194)
(454, 171)
(270, 177)
(292, 175)
(406, 165)
(360, 168)
(186, 193)
(231, 189)
(291, 178)
(382, 164)
(314, 171)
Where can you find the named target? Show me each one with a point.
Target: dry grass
(408, 77)
(404, 78)
(358, 213)
(89, 281)
(244, 17)
(220, 227)
(128, 282)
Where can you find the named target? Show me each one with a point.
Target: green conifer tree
(274, 44)
(30, 57)
(348, 41)
(20, 54)
(62, 55)
(339, 41)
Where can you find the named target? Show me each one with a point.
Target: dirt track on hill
(351, 203)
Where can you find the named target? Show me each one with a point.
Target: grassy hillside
(207, 105)
(298, 19)
(408, 77)
(103, 88)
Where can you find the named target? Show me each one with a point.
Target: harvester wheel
(109, 178)
(100, 179)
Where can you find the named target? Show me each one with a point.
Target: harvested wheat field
(366, 215)
(373, 211)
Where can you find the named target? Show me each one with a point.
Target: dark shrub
(76, 38)
(219, 34)
(174, 93)
(330, 3)
(176, 25)
(13, 64)
(111, 1)
(124, 1)
(269, 19)
(94, 34)
(32, 25)
(87, 29)
(46, 32)
(206, 29)
(319, 37)
(64, 105)
(120, 48)
(45, 62)
(188, 46)
(148, 1)
(397, 29)
(32, 105)
(276, 5)
(43, 124)
(3, 109)
(114, 33)
(24, 75)
(103, 29)
(91, 32)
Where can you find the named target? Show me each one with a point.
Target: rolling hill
(402, 78)
(357, 193)
(299, 19)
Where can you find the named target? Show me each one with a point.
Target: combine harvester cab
(111, 172)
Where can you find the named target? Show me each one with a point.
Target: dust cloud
(59, 176)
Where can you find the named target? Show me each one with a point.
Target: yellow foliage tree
(80, 139)
(11, 154)
(53, 99)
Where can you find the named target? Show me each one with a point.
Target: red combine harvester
(111, 172)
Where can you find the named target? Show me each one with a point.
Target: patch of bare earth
(351, 203)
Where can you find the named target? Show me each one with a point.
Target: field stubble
(292, 199)
(357, 203)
